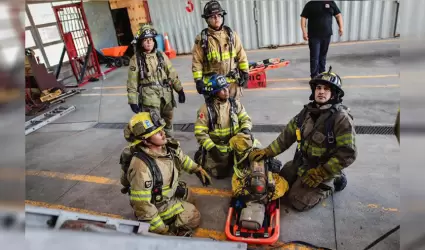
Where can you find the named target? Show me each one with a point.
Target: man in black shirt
(319, 15)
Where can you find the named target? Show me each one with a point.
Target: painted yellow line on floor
(107, 181)
(70, 209)
(273, 80)
(266, 89)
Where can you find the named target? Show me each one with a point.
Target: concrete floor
(365, 210)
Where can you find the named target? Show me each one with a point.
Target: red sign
(189, 6)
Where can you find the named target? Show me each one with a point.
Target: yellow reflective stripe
(223, 149)
(334, 165)
(208, 144)
(187, 163)
(224, 56)
(140, 195)
(197, 74)
(224, 131)
(242, 116)
(275, 147)
(201, 129)
(243, 65)
(230, 80)
(246, 125)
(172, 211)
(292, 126)
(166, 190)
(155, 223)
(343, 140)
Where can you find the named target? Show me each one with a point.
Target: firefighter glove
(259, 154)
(216, 155)
(182, 96)
(315, 176)
(203, 176)
(244, 79)
(135, 108)
(200, 86)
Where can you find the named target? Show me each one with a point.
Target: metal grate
(262, 128)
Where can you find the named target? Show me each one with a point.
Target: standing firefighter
(152, 78)
(325, 134)
(151, 168)
(219, 119)
(218, 49)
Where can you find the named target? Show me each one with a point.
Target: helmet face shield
(156, 118)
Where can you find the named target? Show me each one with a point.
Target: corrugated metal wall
(261, 23)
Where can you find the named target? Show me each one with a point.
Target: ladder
(46, 118)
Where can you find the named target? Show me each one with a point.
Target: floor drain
(261, 128)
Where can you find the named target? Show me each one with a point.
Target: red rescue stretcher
(267, 235)
(257, 71)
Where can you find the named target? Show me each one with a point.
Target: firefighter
(218, 49)
(219, 119)
(325, 134)
(152, 78)
(151, 167)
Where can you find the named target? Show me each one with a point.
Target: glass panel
(54, 52)
(5, 11)
(49, 34)
(42, 13)
(10, 55)
(29, 40)
(61, 3)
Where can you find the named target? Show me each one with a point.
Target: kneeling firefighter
(151, 167)
(325, 134)
(152, 78)
(256, 183)
(219, 119)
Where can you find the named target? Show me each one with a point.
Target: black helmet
(211, 8)
(328, 78)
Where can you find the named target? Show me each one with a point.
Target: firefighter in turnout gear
(218, 50)
(219, 119)
(151, 167)
(152, 78)
(325, 134)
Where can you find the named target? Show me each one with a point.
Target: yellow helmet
(145, 124)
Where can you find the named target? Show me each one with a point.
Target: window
(29, 40)
(49, 34)
(42, 13)
(54, 52)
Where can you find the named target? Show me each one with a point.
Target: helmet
(328, 78)
(211, 8)
(145, 124)
(146, 31)
(216, 83)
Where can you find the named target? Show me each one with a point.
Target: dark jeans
(318, 51)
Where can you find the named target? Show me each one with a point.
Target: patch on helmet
(147, 124)
(326, 77)
(148, 184)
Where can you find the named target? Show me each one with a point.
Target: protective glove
(135, 108)
(200, 86)
(216, 155)
(182, 96)
(246, 131)
(259, 154)
(203, 176)
(244, 79)
(315, 176)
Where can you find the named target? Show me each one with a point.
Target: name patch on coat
(148, 184)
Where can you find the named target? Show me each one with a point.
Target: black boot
(340, 182)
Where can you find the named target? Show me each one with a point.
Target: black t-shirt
(319, 15)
